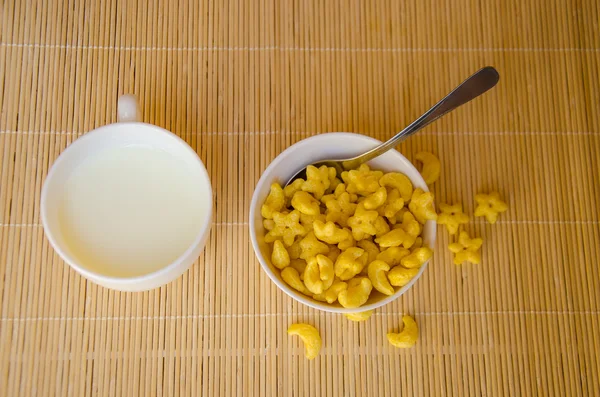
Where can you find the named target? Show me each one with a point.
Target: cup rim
(117, 282)
(287, 289)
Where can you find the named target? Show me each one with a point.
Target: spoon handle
(471, 88)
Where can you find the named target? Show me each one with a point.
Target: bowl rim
(267, 269)
(145, 281)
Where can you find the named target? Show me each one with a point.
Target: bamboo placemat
(242, 80)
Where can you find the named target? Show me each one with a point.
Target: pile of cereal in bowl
(341, 238)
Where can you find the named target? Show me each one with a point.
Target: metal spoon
(471, 88)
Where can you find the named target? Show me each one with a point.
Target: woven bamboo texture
(241, 81)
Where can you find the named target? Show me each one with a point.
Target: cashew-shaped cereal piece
(377, 274)
(417, 258)
(393, 204)
(396, 180)
(400, 276)
(333, 292)
(349, 263)
(318, 274)
(305, 203)
(330, 233)
(356, 294)
(292, 278)
(421, 205)
(393, 255)
(310, 336)
(274, 203)
(360, 316)
(280, 257)
(376, 199)
(318, 180)
(392, 238)
(431, 166)
(409, 335)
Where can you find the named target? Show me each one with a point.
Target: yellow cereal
(291, 189)
(412, 228)
(350, 263)
(331, 295)
(287, 227)
(305, 203)
(489, 206)
(362, 181)
(292, 278)
(421, 205)
(399, 276)
(396, 180)
(310, 337)
(333, 253)
(299, 265)
(356, 294)
(311, 247)
(466, 249)
(308, 221)
(275, 201)
(409, 335)
(381, 226)
(452, 216)
(417, 258)
(280, 257)
(361, 316)
(377, 272)
(392, 238)
(339, 209)
(392, 205)
(375, 199)
(318, 180)
(363, 223)
(330, 233)
(431, 166)
(370, 248)
(393, 255)
(318, 275)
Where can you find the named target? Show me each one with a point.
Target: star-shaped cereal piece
(421, 205)
(291, 189)
(312, 247)
(363, 223)
(340, 209)
(308, 221)
(318, 180)
(287, 227)
(275, 202)
(452, 216)
(398, 181)
(362, 181)
(489, 205)
(466, 249)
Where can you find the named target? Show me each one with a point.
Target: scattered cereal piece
(421, 205)
(452, 216)
(377, 272)
(409, 335)
(274, 203)
(310, 336)
(466, 249)
(490, 205)
(356, 294)
(399, 276)
(280, 257)
(431, 166)
(361, 316)
(417, 258)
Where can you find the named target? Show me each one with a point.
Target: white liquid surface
(131, 211)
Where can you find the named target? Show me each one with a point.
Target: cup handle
(128, 109)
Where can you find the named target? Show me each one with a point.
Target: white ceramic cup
(311, 150)
(127, 131)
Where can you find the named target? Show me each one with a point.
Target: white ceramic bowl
(127, 132)
(308, 151)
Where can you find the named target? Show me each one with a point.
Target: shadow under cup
(128, 205)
